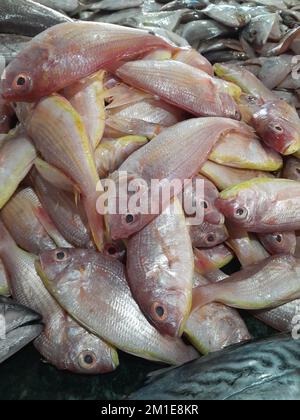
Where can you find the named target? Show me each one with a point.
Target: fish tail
(96, 221)
(202, 296)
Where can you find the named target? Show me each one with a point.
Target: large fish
(160, 268)
(60, 136)
(17, 155)
(100, 299)
(21, 326)
(259, 286)
(270, 372)
(26, 17)
(183, 85)
(263, 205)
(162, 158)
(63, 342)
(91, 45)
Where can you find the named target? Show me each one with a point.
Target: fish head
(22, 82)
(239, 205)
(125, 194)
(86, 354)
(280, 242)
(211, 214)
(279, 127)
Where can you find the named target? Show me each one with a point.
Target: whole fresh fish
(101, 293)
(170, 163)
(279, 242)
(276, 122)
(86, 97)
(207, 235)
(92, 45)
(260, 28)
(212, 259)
(17, 155)
(291, 169)
(183, 86)
(68, 6)
(259, 286)
(225, 177)
(68, 217)
(262, 205)
(227, 14)
(26, 17)
(202, 30)
(111, 153)
(21, 218)
(274, 375)
(59, 134)
(225, 56)
(11, 45)
(4, 287)
(160, 268)
(22, 325)
(246, 247)
(206, 198)
(214, 326)
(63, 342)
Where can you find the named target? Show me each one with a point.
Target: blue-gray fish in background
(259, 370)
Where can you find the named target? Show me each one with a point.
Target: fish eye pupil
(279, 238)
(240, 212)
(210, 238)
(60, 256)
(88, 359)
(278, 128)
(160, 311)
(21, 81)
(129, 219)
(111, 250)
(205, 205)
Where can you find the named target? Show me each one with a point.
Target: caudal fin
(96, 221)
(202, 296)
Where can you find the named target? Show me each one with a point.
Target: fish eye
(112, 250)
(241, 213)
(60, 256)
(276, 127)
(130, 219)
(204, 204)
(22, 83)
(238, 115)
(278, 238)
(87, 360)
(210, 238)
(159, 312)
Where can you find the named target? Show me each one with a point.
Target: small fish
(111, 153)
(160, 268)
(94, 45)
(203, 30)
(260, 28)
(22, 326)
(215, 326)
(169, 79)
(228, 15)
(63, 343)
(59, 134)
(225, 56)
(263, 205)
(102, 284)
(28, 17)
(207, 235)
(11, 45)
(17, 155)
(291, 169)
(225, 177)
(271, 370)
(166, 151)
(4, 287)
(259, 286)
(279, 242)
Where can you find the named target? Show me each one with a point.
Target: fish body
(22, 325)
(262, 205)
(160, 268)
(91, 45)
(162, 159)
(4, 287)
(101, 293)
(271, 370)
(259, 286)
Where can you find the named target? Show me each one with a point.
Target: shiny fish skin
(22, 326)
(77, 41)
(282, 318)
(26, 17)
(63, 342)
(20, 218)
(279, 242)
(160, 268)
(227, 14)
(259, 286)
(200, 30)
(166, 151)
(262, 205)
(182, 85)
(59, 134)
(4, 287)
(274, 375)
(68, 217)
(102, 291)
(17, 155)
(215, 326)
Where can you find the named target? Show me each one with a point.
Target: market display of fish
(150, 189)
